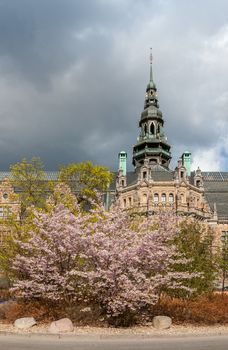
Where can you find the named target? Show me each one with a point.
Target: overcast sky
(73, 75)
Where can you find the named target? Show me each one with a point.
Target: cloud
(73, 76)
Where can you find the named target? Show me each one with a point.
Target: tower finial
(151, 60)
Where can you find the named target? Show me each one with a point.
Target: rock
(62, 325)
(162, 322)
(24, 322)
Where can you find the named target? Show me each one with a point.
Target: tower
(186, 161)
(123, 162)
(151, 144)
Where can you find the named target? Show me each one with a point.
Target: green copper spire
(151, 70)
(151, 143)
(151, 85)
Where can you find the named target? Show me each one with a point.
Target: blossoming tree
(99, 257)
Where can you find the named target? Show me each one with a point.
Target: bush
(13, 310)
(207, 309)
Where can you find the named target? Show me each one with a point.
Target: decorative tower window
(145, 129)
(152, 128)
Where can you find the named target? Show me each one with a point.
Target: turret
(186, 161)
(123, 162)
(152, 142)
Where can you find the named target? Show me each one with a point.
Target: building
(153, 186)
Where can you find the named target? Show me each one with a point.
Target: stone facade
(9, 205)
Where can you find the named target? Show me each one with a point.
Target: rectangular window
(5, 212)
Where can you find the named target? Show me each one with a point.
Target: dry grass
(204, 310)
(43, 313)
(207, 310)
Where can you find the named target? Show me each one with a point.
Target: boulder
(24, 322)
(162, 322)
(60, 326)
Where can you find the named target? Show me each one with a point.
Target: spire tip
(151, 56)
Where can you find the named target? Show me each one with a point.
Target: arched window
(171, 198)
(152, 128)
(145, 129)
(144, 198)
(156, 198)
(163, 198)
(158, 129)
(124, 202)
(129, 201)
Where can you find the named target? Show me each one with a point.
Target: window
(152, 129)
(163, 198)
(198, 183)
(144, 175)
(122, 183)
(145, 129)
(5, 212)
(182, 174)
(5, 195)
(129, 201)
(124, 202)
(156, 198)
(144, 198)
(171, 198)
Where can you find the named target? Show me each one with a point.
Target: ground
(148, 330)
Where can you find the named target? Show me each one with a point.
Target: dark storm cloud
(73, 76)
